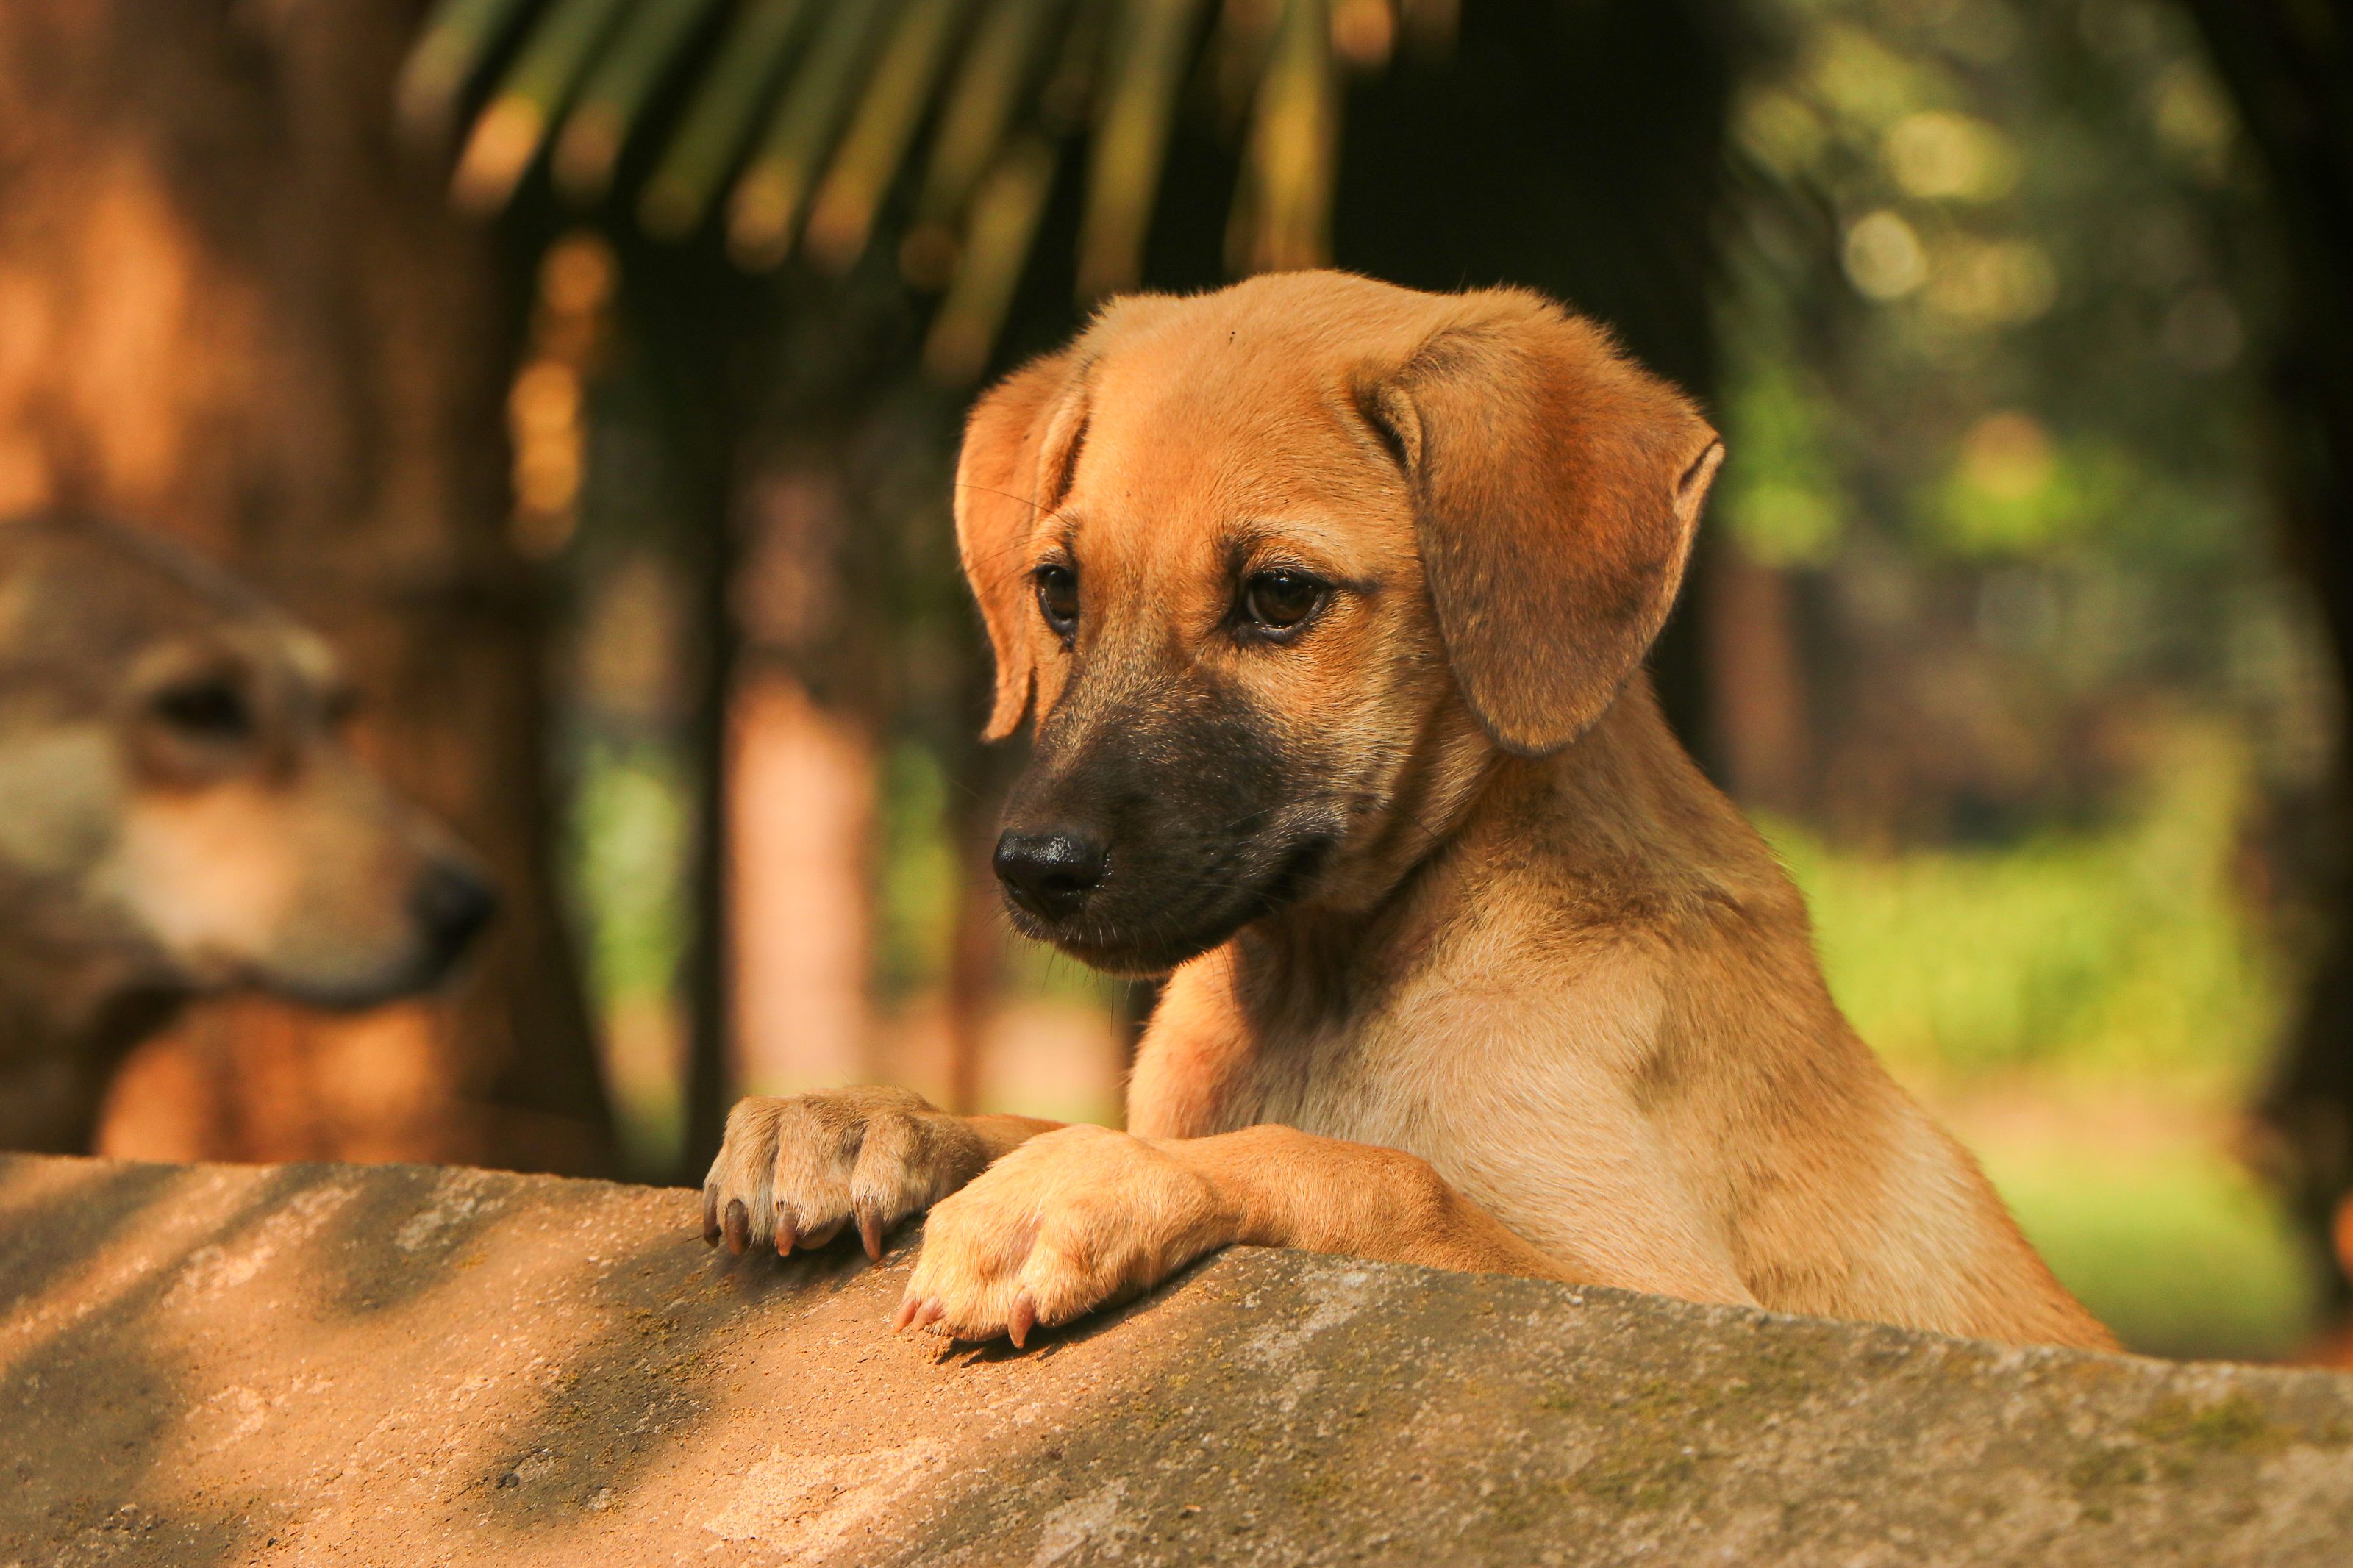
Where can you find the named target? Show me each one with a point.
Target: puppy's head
(1280, 568)
(178, 807)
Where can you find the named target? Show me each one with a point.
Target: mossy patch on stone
(2234, 1425)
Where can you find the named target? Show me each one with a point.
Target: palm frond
(642, 54)
(1003, 59)
(1005, 213)
(713, 130)
(766, 203)
(510, 130)
(1130, 138)
(456, 41)
(842, 215)
(799, 119)
(1280, 211)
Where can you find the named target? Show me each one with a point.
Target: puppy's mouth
(1135, 924)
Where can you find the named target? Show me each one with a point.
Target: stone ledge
(403, 1365)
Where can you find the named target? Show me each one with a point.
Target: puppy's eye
(208, 708)
(1057, 599)
(1280, 600)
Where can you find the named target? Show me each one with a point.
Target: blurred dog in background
(179, 815)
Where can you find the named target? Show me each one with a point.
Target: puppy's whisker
(1030, 501)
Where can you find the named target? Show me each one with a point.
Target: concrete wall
(407, 1366)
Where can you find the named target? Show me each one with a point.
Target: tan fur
(144, 860)
(1549, 1007)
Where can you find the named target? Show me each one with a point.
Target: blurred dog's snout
(1051, 874)
(451, 904)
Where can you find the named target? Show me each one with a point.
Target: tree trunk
(230, 309)
(2290, 69)
(1756, 681)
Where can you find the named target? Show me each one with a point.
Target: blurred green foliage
(1993, 324)
(630, 834)
(2176, 1248)
(1783, 499)
(2122, 950)
(917, 884)
(1991, 309)
(630, 828)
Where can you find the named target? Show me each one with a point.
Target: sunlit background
(2008, 666)
(2030, 706)
(1995, 627)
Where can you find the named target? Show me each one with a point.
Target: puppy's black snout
(451, 905)
(1051, 874)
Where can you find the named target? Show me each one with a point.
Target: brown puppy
(1332, 599)
(178, 814)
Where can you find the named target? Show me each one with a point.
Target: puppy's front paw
(1068, 1221)
(794, 1171)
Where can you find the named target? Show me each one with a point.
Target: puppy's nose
(1051, 874)
(451, 905)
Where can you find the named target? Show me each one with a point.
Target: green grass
(2120, 951)
(2177, 1250)
(632, 830)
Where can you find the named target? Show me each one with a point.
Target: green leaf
(766, 203)
(455, 41)
(842, 215)
(651, 35)
(510, 132)
(747, 62)
(1131, 141)
(1005, 214)
(1003, 58)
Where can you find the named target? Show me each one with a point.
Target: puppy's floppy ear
(1556, 486)
(1000, 492)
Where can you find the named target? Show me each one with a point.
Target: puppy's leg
(1324, 1195)
(1084, 1216)
(794, 1171)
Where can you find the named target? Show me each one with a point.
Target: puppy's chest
(1488, 1055)
(1336, 1081)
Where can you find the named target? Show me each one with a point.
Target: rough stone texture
(400, 1364)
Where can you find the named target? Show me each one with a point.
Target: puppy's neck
(1622, 811)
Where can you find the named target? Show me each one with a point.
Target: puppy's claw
(739, 1226)
(787, 1231)
(907, 1310)
(869, 1231)
(934, 1311)
(710, 1215)
(1025, 1318)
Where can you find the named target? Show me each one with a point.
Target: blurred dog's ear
(1002, 487)
(1556, 487)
